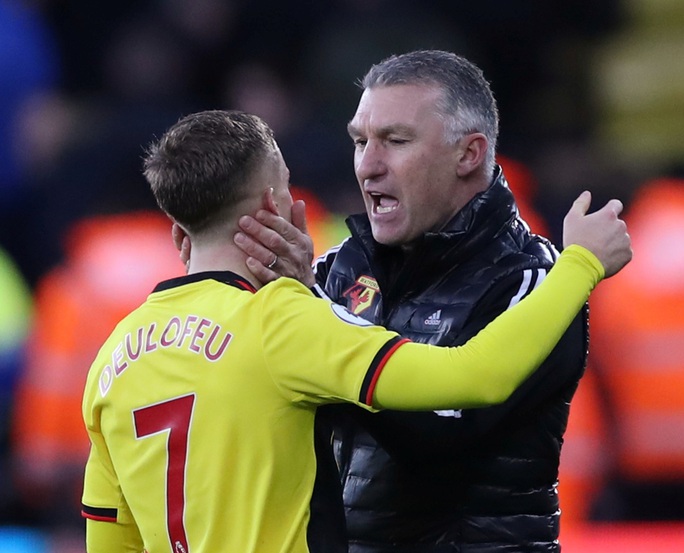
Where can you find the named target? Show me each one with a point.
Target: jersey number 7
(172, 417)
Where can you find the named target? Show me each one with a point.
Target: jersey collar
(227, 277)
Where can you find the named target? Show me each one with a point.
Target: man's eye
(360, 142)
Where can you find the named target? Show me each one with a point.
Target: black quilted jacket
(475, 481)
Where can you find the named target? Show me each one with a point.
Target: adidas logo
(434, 319)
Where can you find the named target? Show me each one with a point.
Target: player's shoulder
(284, 286)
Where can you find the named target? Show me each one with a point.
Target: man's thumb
(581, 205)
(299, 215)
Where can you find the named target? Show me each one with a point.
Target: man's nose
(370, 162)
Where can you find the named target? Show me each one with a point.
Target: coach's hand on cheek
(276, 247)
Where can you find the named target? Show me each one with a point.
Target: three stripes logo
(435, 319)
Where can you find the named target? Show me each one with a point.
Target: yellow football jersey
(200, 409)
(200, 406)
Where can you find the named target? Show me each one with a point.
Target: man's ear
(268, 201)
(472, 152)
(182, 242)
(178, 234)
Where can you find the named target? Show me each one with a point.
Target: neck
(221, 258)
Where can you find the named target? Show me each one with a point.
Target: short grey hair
(467, 104)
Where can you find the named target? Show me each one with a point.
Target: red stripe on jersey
(368, 400)
(246, 285)
(93, 515)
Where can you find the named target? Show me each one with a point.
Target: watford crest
(360, 295)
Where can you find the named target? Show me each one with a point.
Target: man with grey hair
(440, 251)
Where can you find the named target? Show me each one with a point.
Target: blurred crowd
(85, 86)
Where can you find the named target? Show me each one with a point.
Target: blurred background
(591, 95)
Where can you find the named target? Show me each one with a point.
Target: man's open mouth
(383, 204)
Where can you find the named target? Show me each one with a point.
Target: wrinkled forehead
(403, 105)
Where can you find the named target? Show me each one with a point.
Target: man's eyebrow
(352, 130)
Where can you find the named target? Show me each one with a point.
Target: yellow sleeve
(110, 527)
(489, 367)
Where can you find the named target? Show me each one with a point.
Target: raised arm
(489, 367)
